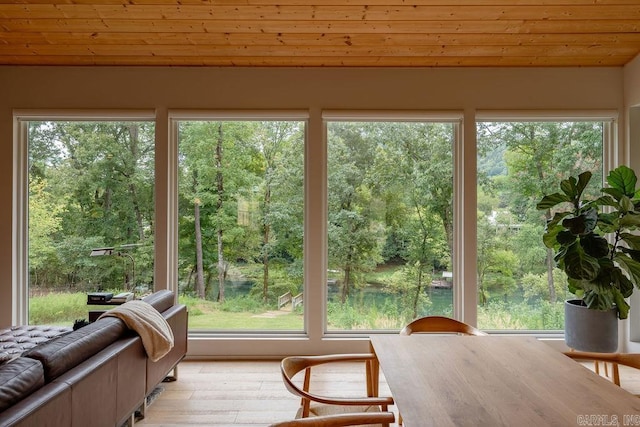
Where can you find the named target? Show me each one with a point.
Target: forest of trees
(241, 212)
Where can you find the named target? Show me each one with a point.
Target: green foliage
(522, 316)
(390, 228)
(350, 316)
(536, 288)
(244, 303)
(602, 271)
(90, 185)
(45, 221)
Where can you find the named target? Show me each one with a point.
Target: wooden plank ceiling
(341, 33)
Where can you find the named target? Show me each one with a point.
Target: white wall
(160, 89)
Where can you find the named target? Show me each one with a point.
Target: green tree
(215, 164)
(496, 263)
(414, 175)
(354, 243)
(101, 175)
(280, 147)
(45, 222)
(535, 154)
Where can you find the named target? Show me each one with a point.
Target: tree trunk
(200, 291)
(136, 209)
(219, 212)
(135, 153)
(347, 277)
(550, 265)
(416, 296)
(345, 284)
(199, 281)
(265, 249)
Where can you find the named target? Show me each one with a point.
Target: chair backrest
(352, 419)
(440, 325)
(627, 359)
(292, 365)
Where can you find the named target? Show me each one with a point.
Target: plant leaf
(582, 224)
(568, 187)
(557, 218)
(551, 200)
(550, 237)
(632, 240)
(595, 245)
(565, 238)
(583, 181)
(579, 265)
(621, 282)
(621, 304)
(631, 221)
(598, 299)
(624, 179)
(629, 265)
(614, 193)
(575, 287)
(625, 204)
(606, 200)
(608, 222)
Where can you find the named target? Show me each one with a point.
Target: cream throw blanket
(155, 332)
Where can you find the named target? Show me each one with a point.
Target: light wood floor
(243, 393)
(252, 394)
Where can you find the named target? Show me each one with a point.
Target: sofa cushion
(161, 300)
(18, 379)
(63, 353)
(17, 339)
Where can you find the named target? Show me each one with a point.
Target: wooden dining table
(439, 380)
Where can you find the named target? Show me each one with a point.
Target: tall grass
(246, 313)
(58, 308)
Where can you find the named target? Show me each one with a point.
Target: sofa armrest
(177, 318)
(161, 300)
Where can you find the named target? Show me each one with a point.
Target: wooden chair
(339, 420)
(440, 325)
(626, 359)
(314, 405)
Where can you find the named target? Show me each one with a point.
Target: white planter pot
(590, 330)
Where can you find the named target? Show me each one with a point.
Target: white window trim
(463, 195)
(170, 211)
(612, 156)
(20, 237)
(314, 339)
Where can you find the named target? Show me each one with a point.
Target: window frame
(176, 116)
(611, 158)
(20, 225)
(457, 120)
(315, 338)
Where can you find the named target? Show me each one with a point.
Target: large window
(384, 212)
(518, 163)
(390, 222)
(240, 263)
(90, 192)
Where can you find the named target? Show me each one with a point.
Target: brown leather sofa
(98, 375)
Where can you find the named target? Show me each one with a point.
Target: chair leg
(615, 373)
(306, 403)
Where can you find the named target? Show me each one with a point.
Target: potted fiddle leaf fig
(596, 247)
